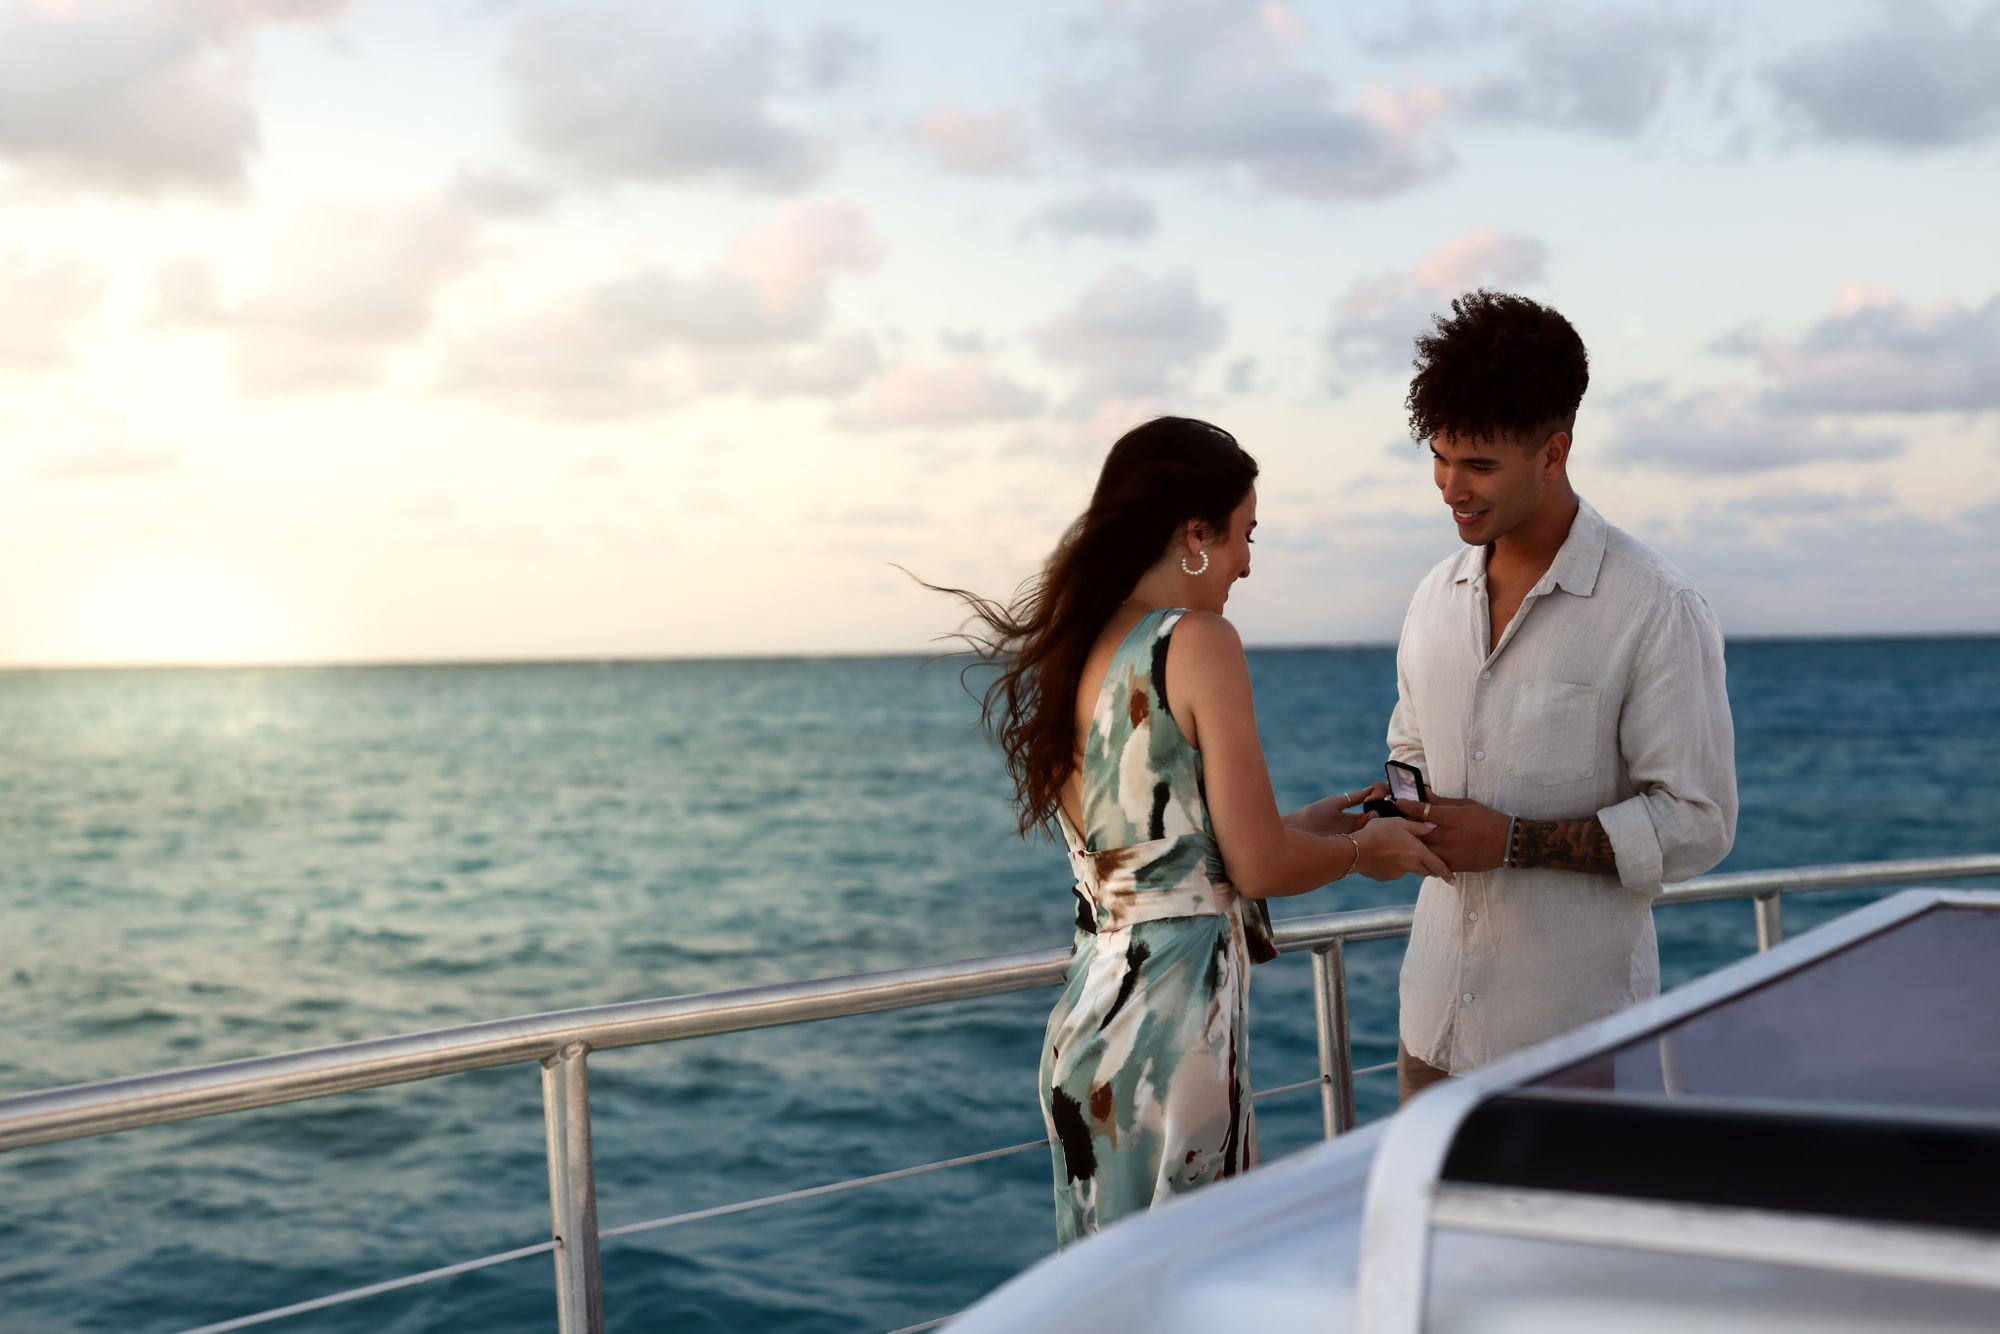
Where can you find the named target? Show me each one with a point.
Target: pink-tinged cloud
(43, 299)
(1481, 257)
(977, 143)
(956, 393)
(794, 257)
(1376, 320)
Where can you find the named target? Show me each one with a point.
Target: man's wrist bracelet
(1508, 858)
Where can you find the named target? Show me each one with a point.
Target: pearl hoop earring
(1189, 569)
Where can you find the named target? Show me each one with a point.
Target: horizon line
(833, 655)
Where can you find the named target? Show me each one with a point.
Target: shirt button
(1486, 676)
(1472, 916)
(1478, 754)
(1467, 998)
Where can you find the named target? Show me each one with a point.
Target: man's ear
(1555, 454)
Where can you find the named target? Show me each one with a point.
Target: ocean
(204, 865)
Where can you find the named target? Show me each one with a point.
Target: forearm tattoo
(1566, 845)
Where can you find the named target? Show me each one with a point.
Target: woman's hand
(1346, 821)
(1331, 816)
(1393, 848)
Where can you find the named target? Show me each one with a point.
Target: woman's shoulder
(1204, 637)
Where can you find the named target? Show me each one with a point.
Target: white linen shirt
(1603, 696)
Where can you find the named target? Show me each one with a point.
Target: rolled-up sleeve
(1679, 747)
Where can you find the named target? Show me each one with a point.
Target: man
(1560, 684)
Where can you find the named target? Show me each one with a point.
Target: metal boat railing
(561, 1042)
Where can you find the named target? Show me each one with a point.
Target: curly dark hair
(1501, 365)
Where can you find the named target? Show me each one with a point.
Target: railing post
(572, 1191)
(1336, 1054)
(1770, 930)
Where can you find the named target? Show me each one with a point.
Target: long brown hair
(1157, 478)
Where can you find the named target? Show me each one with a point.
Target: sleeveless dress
(1145, 1073)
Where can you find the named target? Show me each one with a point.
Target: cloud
(346, 284)
(832, 58)
(1222, 85)
(1915, 80)
(1376, 320)
(108, 459)
(831, 369)
(867, 516)
(1727, 433)
(1422, 30)
(1107, 213)
(135, 95)
(1130, 335)
(976, 143)
(498, 194)
(640, 90)
(1587, 67)
(42, 300)
(790, 263)
(1878, 353)
(434, 506)
(1869, 569)
(648, 339)
(957, 393)
(567, 357)
(1789, 502)
(186, 294)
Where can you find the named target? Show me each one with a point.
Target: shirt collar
(1575, 567)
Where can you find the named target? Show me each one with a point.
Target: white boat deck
(1859, 1223)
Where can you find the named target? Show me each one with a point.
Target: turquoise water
(207, 865)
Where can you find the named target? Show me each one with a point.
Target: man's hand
(1468, 837)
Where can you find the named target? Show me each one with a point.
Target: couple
(1559, 685)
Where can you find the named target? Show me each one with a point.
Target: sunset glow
(175, 611)
(355, 330)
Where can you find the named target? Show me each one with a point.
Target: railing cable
(372, 1289)
(675, 1220)
(811, 1192)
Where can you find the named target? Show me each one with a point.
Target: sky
(408, 330)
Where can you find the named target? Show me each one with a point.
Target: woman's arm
(1208, 691)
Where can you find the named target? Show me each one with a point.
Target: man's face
(1491, 486)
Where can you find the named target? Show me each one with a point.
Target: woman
(1123, 707)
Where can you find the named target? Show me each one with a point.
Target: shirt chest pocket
(1552, 738)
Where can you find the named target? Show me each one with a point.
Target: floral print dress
(1145, 1073)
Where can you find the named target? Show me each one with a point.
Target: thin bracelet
(1355, 863)
(1507, 858)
